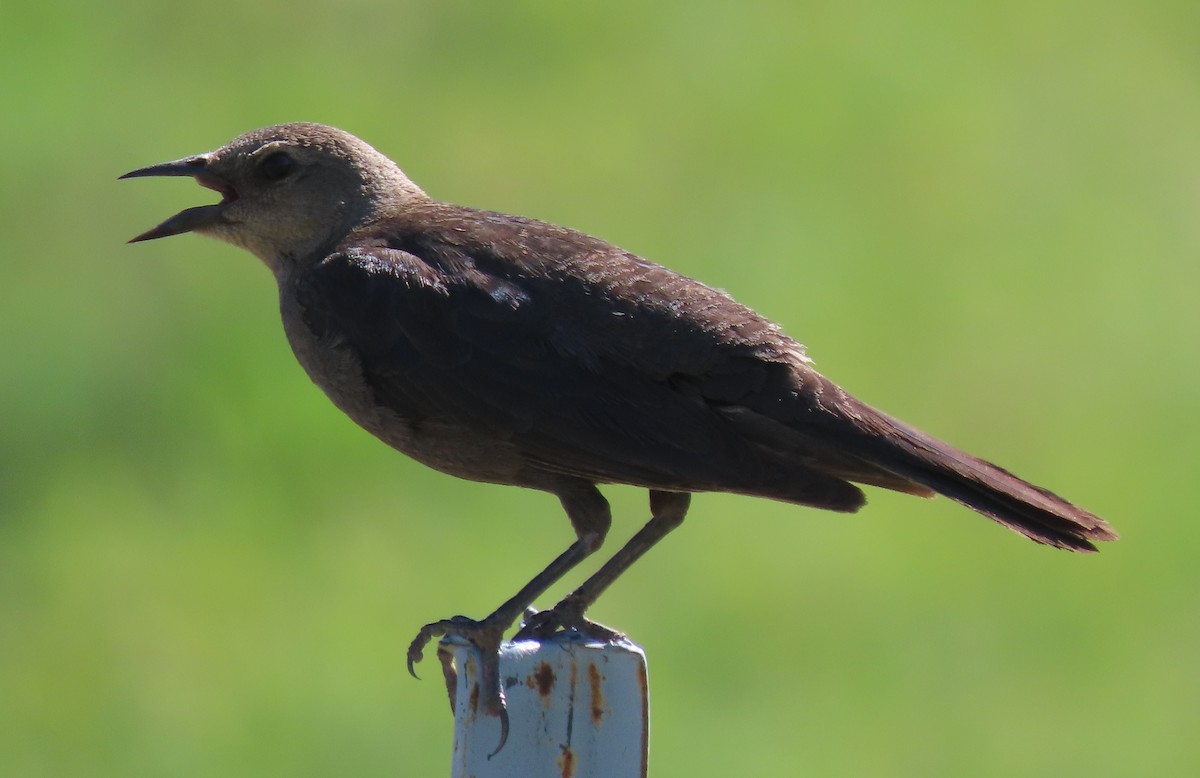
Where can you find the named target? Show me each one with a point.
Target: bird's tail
(1034, 512)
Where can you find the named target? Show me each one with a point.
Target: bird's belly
(458, 449)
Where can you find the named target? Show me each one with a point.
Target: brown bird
(503, 349)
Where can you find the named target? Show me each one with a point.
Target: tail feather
(991, 490)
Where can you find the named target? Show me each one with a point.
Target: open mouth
(219, 185)
(201, 217)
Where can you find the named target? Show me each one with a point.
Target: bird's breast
(337, 370)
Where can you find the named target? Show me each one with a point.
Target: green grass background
(981, 217)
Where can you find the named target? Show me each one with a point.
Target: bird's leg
(590, 517)
(667, 510)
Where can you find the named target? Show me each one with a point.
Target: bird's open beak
(192, 218)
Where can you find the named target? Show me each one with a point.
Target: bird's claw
(444, 627)
(486, 637)
(541, 625)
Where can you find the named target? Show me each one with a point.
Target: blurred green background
(981, 217)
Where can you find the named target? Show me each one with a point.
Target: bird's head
(287, 191)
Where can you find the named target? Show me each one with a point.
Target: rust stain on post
(567, 762)
(542, 679)
(596, 680)
(473, 699)
(449, 673)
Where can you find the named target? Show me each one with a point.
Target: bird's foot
(486, 636)
(567, 615)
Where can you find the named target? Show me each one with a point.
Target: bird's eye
(277, 166)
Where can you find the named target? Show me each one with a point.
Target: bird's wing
(621, 389)
(611, 369)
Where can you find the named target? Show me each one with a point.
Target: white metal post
(576, 708)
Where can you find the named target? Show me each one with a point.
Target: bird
(507, 350)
